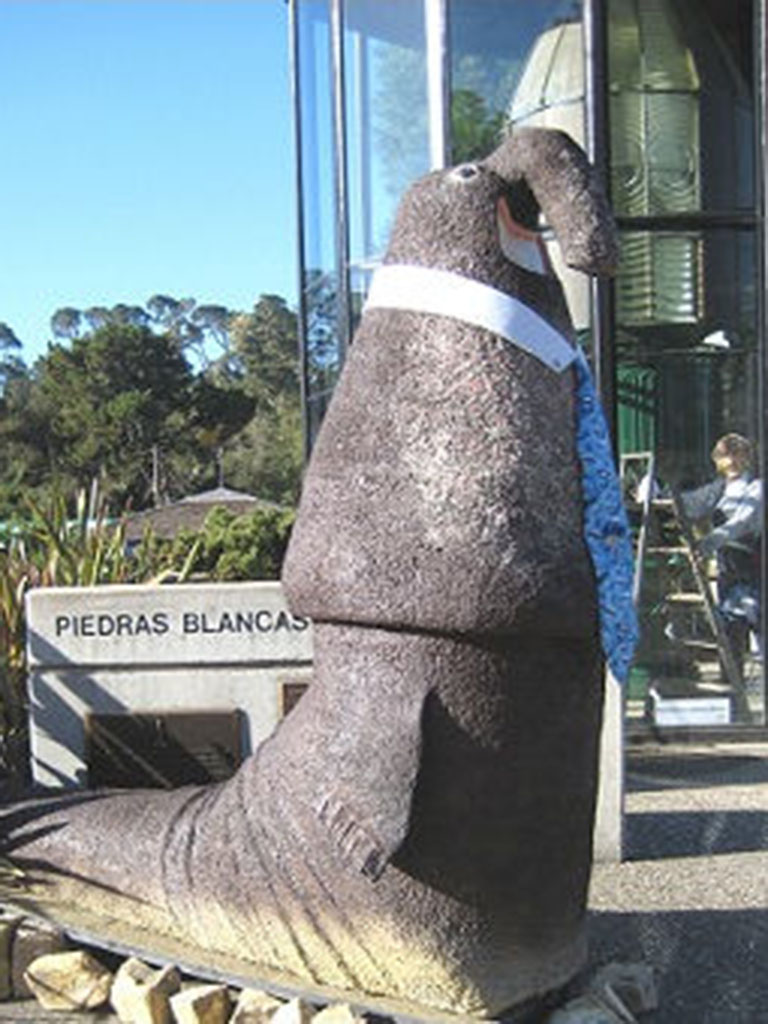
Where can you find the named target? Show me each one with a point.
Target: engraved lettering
(244, 622)
(63, 624)
(160, 623)
(282, 621)
(142, 625)
(124, 624)
(105, 625)
(190, 622)
(264, 621)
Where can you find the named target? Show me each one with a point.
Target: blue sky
(147, 146)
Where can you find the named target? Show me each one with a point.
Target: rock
(586, 1009)
(201, 1004)
(294, 1012)
(69, 981)
(340, 1013)
(614, 995)
(32, 939)
(255, 1007)
(141, 994)
(8, 925)
(631, 988)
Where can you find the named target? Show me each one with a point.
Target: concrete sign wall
(114, 649)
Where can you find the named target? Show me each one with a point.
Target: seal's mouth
(521, 246)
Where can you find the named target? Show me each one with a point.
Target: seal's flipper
(363, 802)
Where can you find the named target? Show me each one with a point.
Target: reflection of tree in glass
(738, 383)
(491, 46)
(400, 117)
(474, 131)
(491, 79)
(322, 349)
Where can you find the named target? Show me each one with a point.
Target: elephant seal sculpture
(419, 827)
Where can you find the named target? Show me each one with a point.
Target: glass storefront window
(519, 64)
(512, 62)
(682, 327)
(387, 130)
(687, 340)
(688, 376)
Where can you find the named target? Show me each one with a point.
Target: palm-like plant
(15, 579)
(53, 548)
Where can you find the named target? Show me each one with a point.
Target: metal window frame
(341, 190)
(760, 36)
(294, 53)
(363, 135)
(595, 43)
(295, 75)
(438, 85)
(438, 82)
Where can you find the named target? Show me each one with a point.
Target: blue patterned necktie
(606, 530)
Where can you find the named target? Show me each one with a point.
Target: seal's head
(482, 219)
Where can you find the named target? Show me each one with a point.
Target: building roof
(190, 512)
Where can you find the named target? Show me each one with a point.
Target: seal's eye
(466, 172)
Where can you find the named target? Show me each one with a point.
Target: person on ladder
(733, 502)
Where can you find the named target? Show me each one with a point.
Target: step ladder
(641, 465)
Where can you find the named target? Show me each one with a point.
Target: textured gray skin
(443, 492)
(420, 825)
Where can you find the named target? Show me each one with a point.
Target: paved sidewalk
(691, 898)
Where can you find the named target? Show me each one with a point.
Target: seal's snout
(549, 167)
(521, 246)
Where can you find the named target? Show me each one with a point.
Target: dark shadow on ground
(710, 966)
(651, 772)
(658, 835)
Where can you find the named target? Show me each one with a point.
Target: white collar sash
(445, 293)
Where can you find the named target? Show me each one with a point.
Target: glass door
(682, 106)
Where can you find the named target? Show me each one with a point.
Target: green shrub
(231, 547)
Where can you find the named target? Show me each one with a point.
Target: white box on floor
(669, 712)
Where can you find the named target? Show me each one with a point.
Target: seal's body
(420, 825)
(443, 492)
